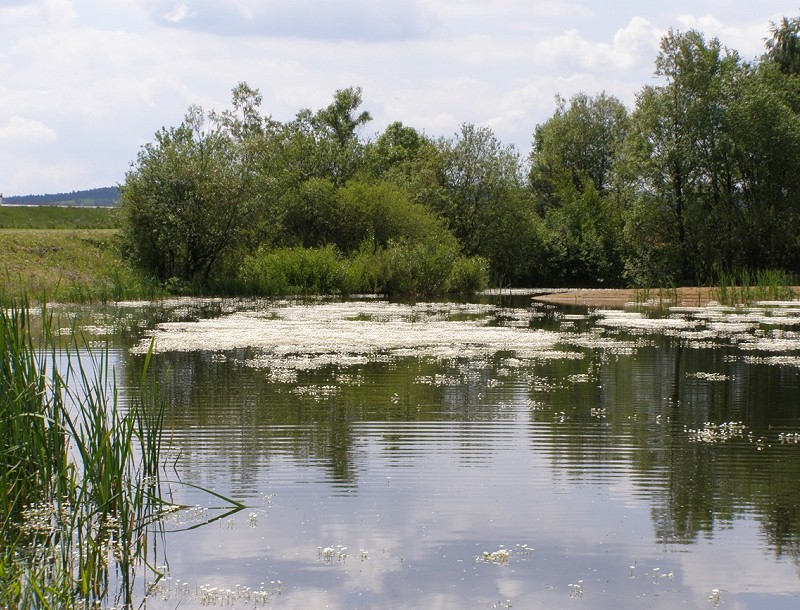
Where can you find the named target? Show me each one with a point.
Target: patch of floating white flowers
(44, 520)
(329, 554)
(709, 376)
(208, 595)
(502, 555)
(716, 433)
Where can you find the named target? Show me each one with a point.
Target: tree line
(701, 179)
(98, 197)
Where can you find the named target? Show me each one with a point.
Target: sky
(84, 84)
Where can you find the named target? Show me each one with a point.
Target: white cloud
(630, 47)
(104, 75)
(368, 20)
(178, 13)
(747, 38)
(61, 13)
(21, 130)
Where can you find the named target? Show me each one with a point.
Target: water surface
(476, 455)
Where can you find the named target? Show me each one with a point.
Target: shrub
(382, 213)
(294, 271)
(468, 274)
(421, 268)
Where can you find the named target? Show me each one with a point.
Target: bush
(468, 275)
(382, 213)
(421, 268)
(402, 268)
(362, 273)
(186, 211)
(294, 271)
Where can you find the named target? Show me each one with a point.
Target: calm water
(475, 455)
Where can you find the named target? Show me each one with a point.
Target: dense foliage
(700, 180)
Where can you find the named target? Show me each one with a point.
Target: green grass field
(52, 217)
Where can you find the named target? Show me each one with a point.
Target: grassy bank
(68, 265)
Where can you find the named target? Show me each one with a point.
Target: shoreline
(618, 298)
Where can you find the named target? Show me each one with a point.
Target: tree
(679, 162)
(396, 150)
(341, 118)
(187, 204)
(376, 213)
(310, 214)
(783, 47)
(479, 175)
(581, 142)
(765, 129)
(324, 144)
(572, 179)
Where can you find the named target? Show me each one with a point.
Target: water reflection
(599, 441)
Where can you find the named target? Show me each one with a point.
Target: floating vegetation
(773, 360)
(439, 380)
(330, 554)
(576, 589)
(207, 595)
(316, 392)
(638, 321)
(533, 405)
(579, 378)
(657, 574)
(303, 337)
(717, 433)
(502, 556)
(709, 376)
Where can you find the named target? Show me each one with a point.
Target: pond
(487, 454)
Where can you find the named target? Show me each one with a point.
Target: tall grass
(661, 296)
(400, 268)
(81, 266)
(746, 287)
(79, 483)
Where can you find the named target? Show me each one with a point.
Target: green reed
(660, 297)
(79, 475)
(747, 287)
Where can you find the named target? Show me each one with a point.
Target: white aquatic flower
(576, 589)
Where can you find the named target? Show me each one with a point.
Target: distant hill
(104, 197)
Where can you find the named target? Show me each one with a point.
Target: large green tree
(573, 181)
(481, 191)
(765, 129)
(679, 164)
(187, 201)
(783, 47)
(579, 143)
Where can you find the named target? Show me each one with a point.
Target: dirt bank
(620, 297)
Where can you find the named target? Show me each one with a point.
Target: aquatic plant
(500, 557)
(79, 484)
(745, 287)
(655, 297)
(328, 554)
(717, 433)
